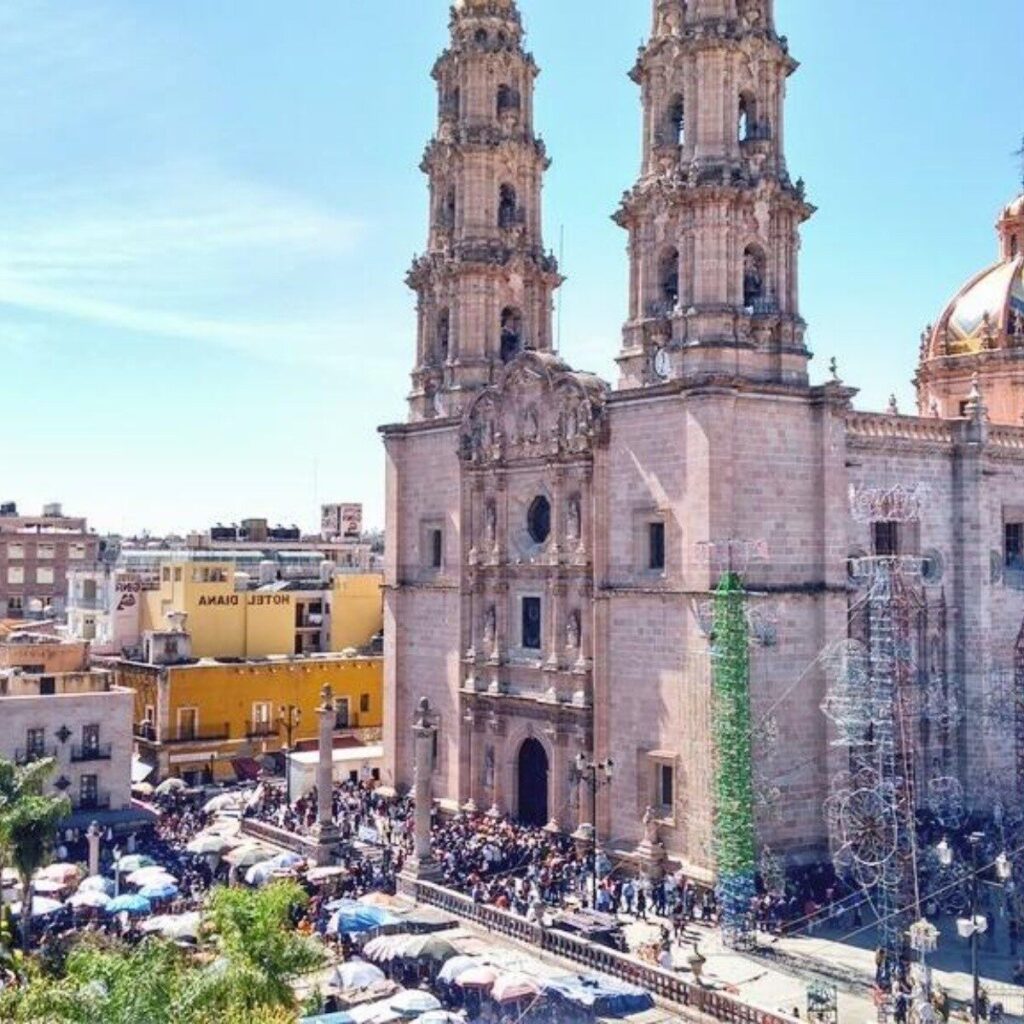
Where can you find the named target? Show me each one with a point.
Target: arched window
(507, 207)
(508, 99)
(668, 277)
(747, 117)
(754, 270)
(448, 209)
(443, 335)
(676, 125)
(511, 333)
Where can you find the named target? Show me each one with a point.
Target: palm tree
(28, 821)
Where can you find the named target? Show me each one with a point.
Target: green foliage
(259, 954)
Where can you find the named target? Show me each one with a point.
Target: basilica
(555, 540)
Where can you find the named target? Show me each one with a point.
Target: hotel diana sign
(233, 600)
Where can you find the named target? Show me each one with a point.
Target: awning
(246, 769)
(129, 819)
(140, 770)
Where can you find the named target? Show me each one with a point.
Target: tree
(28, 822)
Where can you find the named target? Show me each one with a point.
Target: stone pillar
(93, 835)
(421, 865)
(325, 831)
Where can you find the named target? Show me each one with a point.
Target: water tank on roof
(53, 510)
(268, 571)
(326, 571)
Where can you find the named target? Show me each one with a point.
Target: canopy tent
(350, 917)
(599, 996)
(357, 974)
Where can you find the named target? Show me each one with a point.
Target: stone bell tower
(485, 284)
(714, 218)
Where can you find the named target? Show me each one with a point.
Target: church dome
(981, 332)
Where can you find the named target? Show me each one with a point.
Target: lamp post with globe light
(977, 924)
(595, 774)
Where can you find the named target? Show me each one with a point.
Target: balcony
(206, 734)
(145, 731)
(23, 757)
(92, 752)
(258, 730)
(91, 802)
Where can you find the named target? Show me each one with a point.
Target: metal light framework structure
(735, 838)
(594, 774)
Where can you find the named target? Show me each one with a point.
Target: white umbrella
(174, 926)
(223, 802)
(48, 886)
(60, 872)
(89, 899)
(41, 907)
(247, 855)
(151, 876)
(96, 883)
(169, 786)
(357, 974)
(206, 844)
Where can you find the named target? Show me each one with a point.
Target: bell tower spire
(714, 218)
(485, 284)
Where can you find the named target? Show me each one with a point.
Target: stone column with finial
(325, 831)
(93, 834)
(651, 850)
(421, 865)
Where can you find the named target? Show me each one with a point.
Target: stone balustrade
(662, 984)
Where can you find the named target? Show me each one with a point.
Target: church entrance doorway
(533, 783)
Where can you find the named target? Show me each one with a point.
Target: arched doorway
(533, 783)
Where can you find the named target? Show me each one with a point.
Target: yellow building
(212, 719)
(226, 617)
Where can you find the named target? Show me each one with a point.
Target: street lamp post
(594, 773)
(288, 720)
(975, 926)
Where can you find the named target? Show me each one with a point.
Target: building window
(35, 743)
(341, 715)
(90, 738)
(45, 552)
(676, 121)
(668, 278)
(88, 791)
(15, 552)
(754, 278)
(364, 704)
(435, 753)
(166, 574)
(511, 334)
(885, 539)
(188, 723)
(261, 712)
(436, 541)
(76, 552)
(15, 574)
(15, 606)
(538, 520)
(531, 617)
(1013, 544)
(44, 574)
(177, 574)
(666, 787)
(656, 546)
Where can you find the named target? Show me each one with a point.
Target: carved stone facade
(553, 543)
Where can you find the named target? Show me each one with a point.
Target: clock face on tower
(662, 364)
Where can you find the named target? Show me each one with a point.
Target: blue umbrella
(131, 903)
(160, 891)
(358, 918)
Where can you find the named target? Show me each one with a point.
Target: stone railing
(870, 426)
(1006, 437)
(303, 845)
(663, 984)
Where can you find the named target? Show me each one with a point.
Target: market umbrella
(96, 883)
(260, 874)
(456, 966)
(223, 802)
(60, 872)
(247, 855)
(41, 907)
(132, 862)
(151, 876)
(512, 986)
(129, 903)
(169, 786)
(414, 1001)
(142, 788)
(48, 886)
(357, 974)
(174, 926)
(89, 899)
(159, 891)
(205, 844)
(481, 976)
(354, 917)
(428, 947)
(384, 947)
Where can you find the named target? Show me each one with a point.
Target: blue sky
(207, 208)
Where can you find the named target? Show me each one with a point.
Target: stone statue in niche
(573, 519)
(490, 626)
(490, 524)
(489, 768)
(650, 827)
(572, 630)
(531, 427)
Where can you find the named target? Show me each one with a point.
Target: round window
(538, 519)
